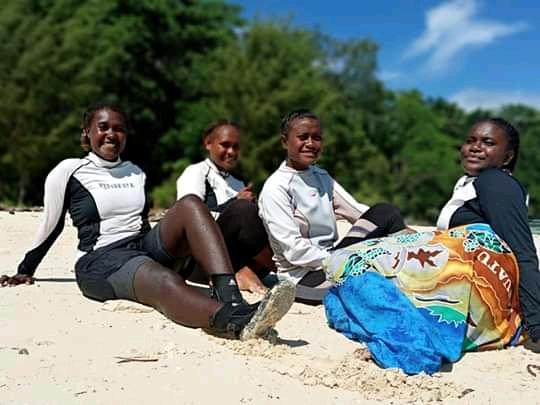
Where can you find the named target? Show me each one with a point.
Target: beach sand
(58, 347)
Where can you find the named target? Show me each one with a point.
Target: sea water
(534, 223)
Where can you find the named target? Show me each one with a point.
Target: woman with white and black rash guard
(488, 193)
(121, 257)
(231, 202)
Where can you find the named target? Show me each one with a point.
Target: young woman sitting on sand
(420, 300)
(232, 204)
(121, 257)
(299, 204)
(489, 193)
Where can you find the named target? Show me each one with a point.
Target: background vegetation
(177, 65)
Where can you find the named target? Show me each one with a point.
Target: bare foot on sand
(248, 281)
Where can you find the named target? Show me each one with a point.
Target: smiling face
(303, 143)
(107, 134)
(486, 146)
(223, 146)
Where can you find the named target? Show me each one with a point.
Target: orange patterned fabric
(466, 277)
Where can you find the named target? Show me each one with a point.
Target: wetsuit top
(498, 199)
(299, 209)
(215, 187)
(106, 201)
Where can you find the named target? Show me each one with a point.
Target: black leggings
(380, 220)
(244, 234)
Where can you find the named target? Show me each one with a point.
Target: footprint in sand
(125, 306)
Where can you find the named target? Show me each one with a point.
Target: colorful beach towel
(419, 300)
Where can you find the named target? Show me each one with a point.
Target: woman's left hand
(246, 193)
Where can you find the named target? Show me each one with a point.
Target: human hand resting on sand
(16, 280)
(246, 193)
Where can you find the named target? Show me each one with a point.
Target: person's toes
(248, 281)
(259, 288)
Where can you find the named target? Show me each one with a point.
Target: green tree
(423, 158)
(527, 121)
(352, 154)
(268, 70)
(454, 120)
(57, 56)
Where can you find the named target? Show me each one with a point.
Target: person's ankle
(230, 319)
(225, 288)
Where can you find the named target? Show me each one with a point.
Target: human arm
(50, 227)
(277, 210)
(203, 181)
(245, 193)
(502, 201)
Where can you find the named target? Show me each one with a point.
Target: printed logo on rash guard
(116, 185)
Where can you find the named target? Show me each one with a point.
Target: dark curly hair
(511, 133)
(298, 114)
(210, 128)
(88, 116)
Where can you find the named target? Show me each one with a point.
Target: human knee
(190, 202)
(387, 217)
(240, 216)
(187, 208)
(248, 227)
(245, 209)
(386, 210)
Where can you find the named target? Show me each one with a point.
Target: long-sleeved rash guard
(299, 210)
(106, 201)
(498, 199)
(215, 187)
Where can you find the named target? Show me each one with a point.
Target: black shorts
(107, 273)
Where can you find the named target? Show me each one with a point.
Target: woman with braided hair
(121, 257)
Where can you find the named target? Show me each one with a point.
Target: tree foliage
(175, 66)
(57, 56)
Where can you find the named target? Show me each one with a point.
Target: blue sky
(477, 53)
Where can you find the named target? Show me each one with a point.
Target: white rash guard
(106, 201)
(214, 187)
(299, 210)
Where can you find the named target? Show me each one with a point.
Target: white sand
(57, 347)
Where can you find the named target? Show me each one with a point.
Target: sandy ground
(57, 347)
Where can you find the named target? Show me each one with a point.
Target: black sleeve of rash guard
(502, 200)
(55, 206)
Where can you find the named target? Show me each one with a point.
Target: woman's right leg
(167, 292)
(189, 229)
